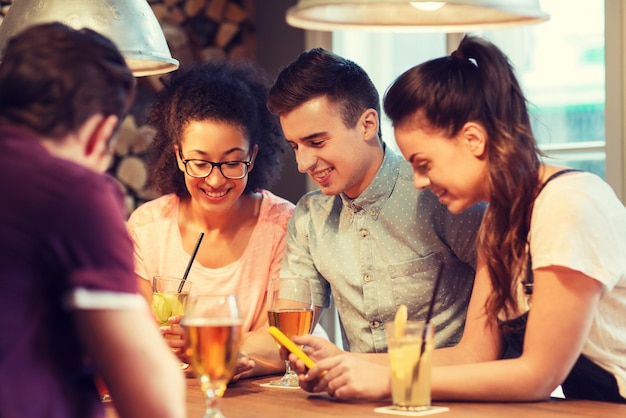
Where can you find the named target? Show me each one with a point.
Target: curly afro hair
(217, 90)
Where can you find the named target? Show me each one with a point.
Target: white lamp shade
(414, 16)
(130, 24)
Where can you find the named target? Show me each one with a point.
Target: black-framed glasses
(200, 169)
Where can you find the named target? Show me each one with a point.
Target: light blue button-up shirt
(384, 249)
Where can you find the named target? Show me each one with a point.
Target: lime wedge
(399, 322)
(177, 307)
(161, 308)
(165, 305)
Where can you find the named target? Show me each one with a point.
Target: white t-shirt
(579, 223)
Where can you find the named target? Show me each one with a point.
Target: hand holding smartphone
(284, 341)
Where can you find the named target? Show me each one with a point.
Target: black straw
(429, 315)
(193, 256)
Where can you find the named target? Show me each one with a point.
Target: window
(560, 64)
(385, 56)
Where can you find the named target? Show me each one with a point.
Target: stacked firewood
(4, 8)
(129, 163)
(197, 30)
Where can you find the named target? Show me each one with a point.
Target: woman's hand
(175, 336)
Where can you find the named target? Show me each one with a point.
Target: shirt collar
(373, 198)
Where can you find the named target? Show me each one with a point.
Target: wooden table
(247, 399)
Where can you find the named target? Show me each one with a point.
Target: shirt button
(375, 324)
(363, 233)
(373, 213)
(367, 278)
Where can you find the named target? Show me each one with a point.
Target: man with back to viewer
(67, 283)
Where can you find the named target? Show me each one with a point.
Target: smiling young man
(367, 236)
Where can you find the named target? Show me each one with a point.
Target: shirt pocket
(413, 282)
(416, 266)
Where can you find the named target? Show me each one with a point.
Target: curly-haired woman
(216, 152)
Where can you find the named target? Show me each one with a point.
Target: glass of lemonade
(212, 337)
(169, 297)
(290, 309)
(410, 353)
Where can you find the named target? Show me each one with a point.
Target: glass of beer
(212, 340)
(410, 352)
(290, 309)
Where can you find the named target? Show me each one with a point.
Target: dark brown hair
(318, 72)
(477, 83)
(53, 78)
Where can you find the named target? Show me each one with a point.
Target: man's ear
(369, 124)
(96, 133)
(474, 135)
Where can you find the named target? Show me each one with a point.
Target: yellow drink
(410, 373)
(212, 345)
(165, 305)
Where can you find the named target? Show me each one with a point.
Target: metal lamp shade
(413, 16)
(130, 24)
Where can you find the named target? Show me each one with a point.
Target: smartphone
(284, 341)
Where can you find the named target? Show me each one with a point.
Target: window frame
(615, 122)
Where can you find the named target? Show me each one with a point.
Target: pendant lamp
(130, 24)
(413, 16)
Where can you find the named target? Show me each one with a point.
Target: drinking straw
(193, 255)
(429, 315)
